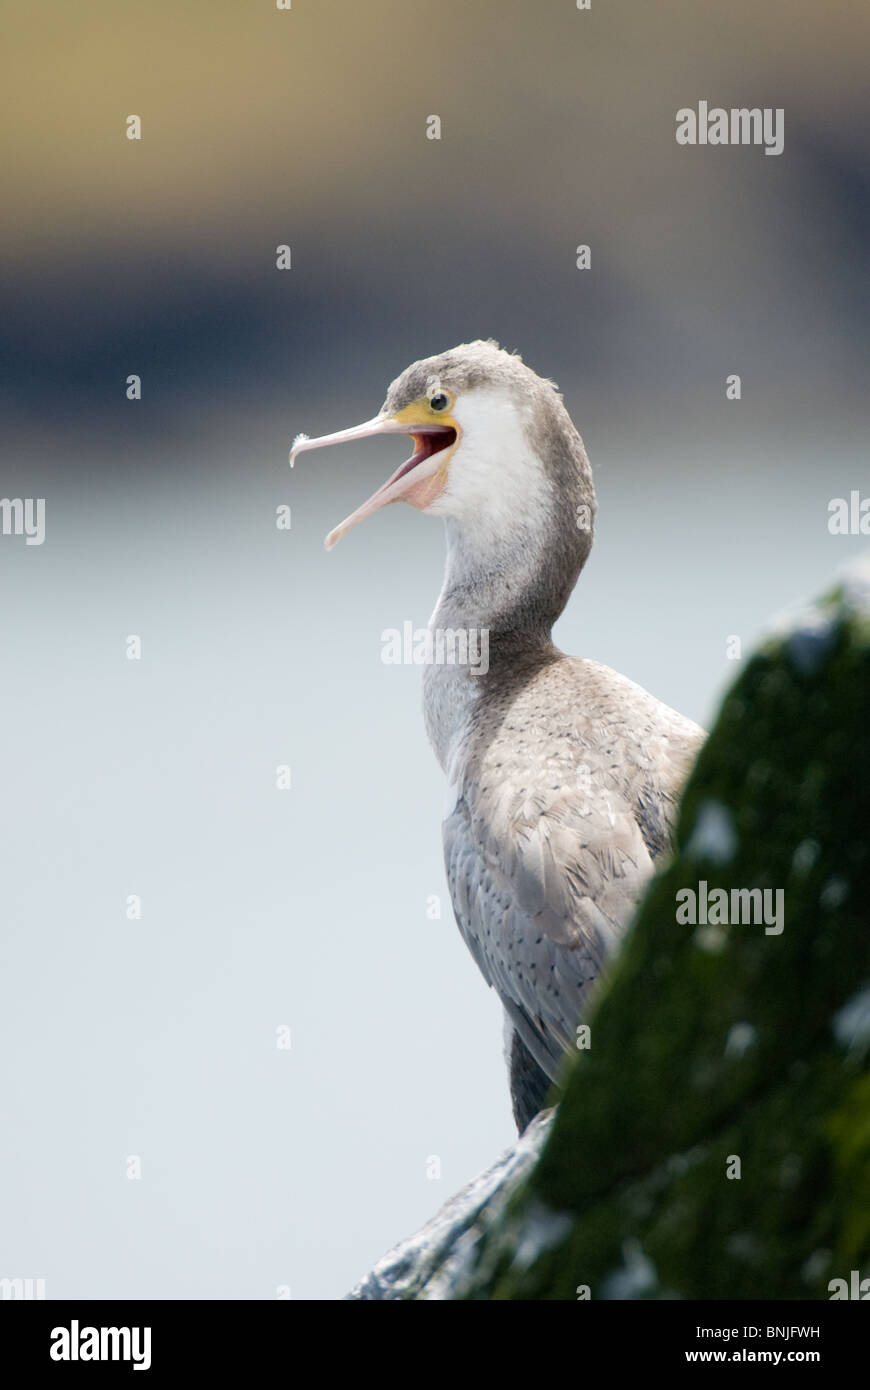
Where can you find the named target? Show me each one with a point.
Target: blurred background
(263, 1167)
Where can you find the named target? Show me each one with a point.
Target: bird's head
(495, 452)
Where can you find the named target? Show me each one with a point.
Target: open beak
(418, 480)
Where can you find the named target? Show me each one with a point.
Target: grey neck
(495, 613)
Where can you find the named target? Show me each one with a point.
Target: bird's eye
(439, 401)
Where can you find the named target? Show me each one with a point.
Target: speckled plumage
(568, 781)
(564, 775)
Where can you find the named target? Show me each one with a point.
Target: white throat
(498, 509)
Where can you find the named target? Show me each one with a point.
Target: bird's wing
(542, 885)
(567, 792)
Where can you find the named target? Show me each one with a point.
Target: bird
(563, 776)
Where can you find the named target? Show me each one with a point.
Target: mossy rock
(714, 1140)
